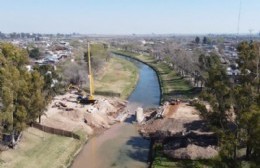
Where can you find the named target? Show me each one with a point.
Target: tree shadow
(197, 125)
(185, 92)
(197, 133)
(140, 149)
(130, 119)
(204, 140)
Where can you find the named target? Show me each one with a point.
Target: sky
(129, 16)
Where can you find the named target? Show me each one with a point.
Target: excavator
(90, 98)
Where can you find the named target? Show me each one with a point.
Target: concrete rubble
(139, 114)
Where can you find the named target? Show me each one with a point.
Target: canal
(122, 146)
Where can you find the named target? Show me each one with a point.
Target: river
(122, 146)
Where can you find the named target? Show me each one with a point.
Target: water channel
(122, 146)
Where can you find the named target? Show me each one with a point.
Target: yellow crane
(90, 77)
(90, 98)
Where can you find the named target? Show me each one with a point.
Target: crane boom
(91, 81)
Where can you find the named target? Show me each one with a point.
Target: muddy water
(122, 146)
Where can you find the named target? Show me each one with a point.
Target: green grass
(172, 85)
(161, 161)
(119, 76)
(41, 150)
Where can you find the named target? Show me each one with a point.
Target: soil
(180, 130)
(65, 113)
(176, 119)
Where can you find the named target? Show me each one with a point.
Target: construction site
(178, 127)
(77, 110)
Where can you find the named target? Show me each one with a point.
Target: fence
(55, 131)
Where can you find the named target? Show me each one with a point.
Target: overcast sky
(129, 16)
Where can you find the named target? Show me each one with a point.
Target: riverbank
(172, 85)
(44, 150)
(118, 77)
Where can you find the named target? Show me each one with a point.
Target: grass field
(41, 150)
(172, 85)
(118, 76)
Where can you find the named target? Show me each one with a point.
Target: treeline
(24, 91)
(76, 72)
(175, 54)
(235, 103)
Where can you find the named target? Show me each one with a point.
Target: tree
(197, 40)
(35, 53)
(39, 99)
(218, 93)
(246, 102)
(205, 40)
(218, 90)
(240, 99)
(21, 92)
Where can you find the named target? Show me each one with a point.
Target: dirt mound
(183, 134)
(97, 120)
(192, 152)
(176, 118)
(105, 107)
(65, 113)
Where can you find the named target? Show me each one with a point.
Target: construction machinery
(90, 98)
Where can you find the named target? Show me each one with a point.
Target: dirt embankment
(182, 132)
(65, 113)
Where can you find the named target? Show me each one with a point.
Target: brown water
(122, 146)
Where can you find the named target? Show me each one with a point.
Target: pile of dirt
(194, 145)
(192, 152)
(97, 120)
(104, 107)
(65, 113)
(175, 118)
(183, 134)
(159, 127)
